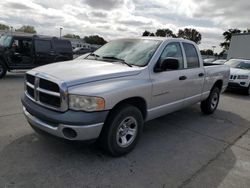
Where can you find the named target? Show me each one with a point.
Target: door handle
(201, 74)
(182, 78)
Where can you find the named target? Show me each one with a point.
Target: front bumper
(235, 85)
(70, 125)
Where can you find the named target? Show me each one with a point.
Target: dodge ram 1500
(109, 94)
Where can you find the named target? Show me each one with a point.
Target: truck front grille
(50, 100)
(48, 85)
(30, 91)
(45, 92)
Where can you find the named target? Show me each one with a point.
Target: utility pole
(61, 31)
(11, 30)
(213, 49)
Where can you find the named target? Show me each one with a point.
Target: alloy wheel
(126, 132)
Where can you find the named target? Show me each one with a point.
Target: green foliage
(4, 27)
(227, 37)
(147, 33)
(72, 36)
(164, 33)
(190, 34)
(228, 34)
(222, 53)
(207, 52)
(246, 31)
(187, 33)
(27, 29)
(95, 39)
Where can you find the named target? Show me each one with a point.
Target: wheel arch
(219, 84)
(138, 102)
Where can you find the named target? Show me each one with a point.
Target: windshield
(240, 64)
(5, 41)
(132, 51)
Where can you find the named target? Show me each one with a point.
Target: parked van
(30, 51)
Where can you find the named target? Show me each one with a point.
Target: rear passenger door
(44, 52)
(194, 73)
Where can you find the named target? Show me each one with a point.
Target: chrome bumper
(84, 132)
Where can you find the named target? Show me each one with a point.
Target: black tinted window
(192, 56)
(42, 45)
(63, 45)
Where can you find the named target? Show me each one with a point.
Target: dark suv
(29, 51)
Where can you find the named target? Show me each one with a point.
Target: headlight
(86, 103)
(242, 77)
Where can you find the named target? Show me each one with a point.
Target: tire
(248, 90)
(209, 105)
(122, 130)
(3, 70)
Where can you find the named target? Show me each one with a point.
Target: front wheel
(209, 105)
(3, 70)
(248, 90)
(122, 130)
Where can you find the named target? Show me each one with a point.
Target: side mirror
(167, 64)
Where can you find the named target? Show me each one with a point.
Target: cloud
(17, 6)
(124, 18)
(104, 4)
(225, 13)
(100, 14)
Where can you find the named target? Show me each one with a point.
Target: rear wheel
(122, 130)
(3, 70)
(210, 104)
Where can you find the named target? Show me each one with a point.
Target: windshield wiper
(115, 58)
(93, 54)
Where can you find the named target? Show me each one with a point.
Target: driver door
(168, 86)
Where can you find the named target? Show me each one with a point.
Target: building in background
(79, 43)
(239, 46)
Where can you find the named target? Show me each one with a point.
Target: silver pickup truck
(109, 94)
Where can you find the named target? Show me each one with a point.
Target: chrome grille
(47, 92)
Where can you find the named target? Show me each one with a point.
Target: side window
(42, 45)
(62, 45)
(192, 56)
(173, 50)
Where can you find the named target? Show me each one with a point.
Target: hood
(84, 71)
(235, 71)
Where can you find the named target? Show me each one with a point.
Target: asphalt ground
(182, 149)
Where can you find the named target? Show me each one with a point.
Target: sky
(128, 18)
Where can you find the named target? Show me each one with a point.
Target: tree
(27, 29)
(246, 31)
(72, 36)
(222, 53)
(164, 33)
(95, 39)
(190, 34)
(207, 52)
(146, 33)
(227, 37)
(4, 27)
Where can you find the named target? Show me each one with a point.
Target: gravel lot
(182, 149)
